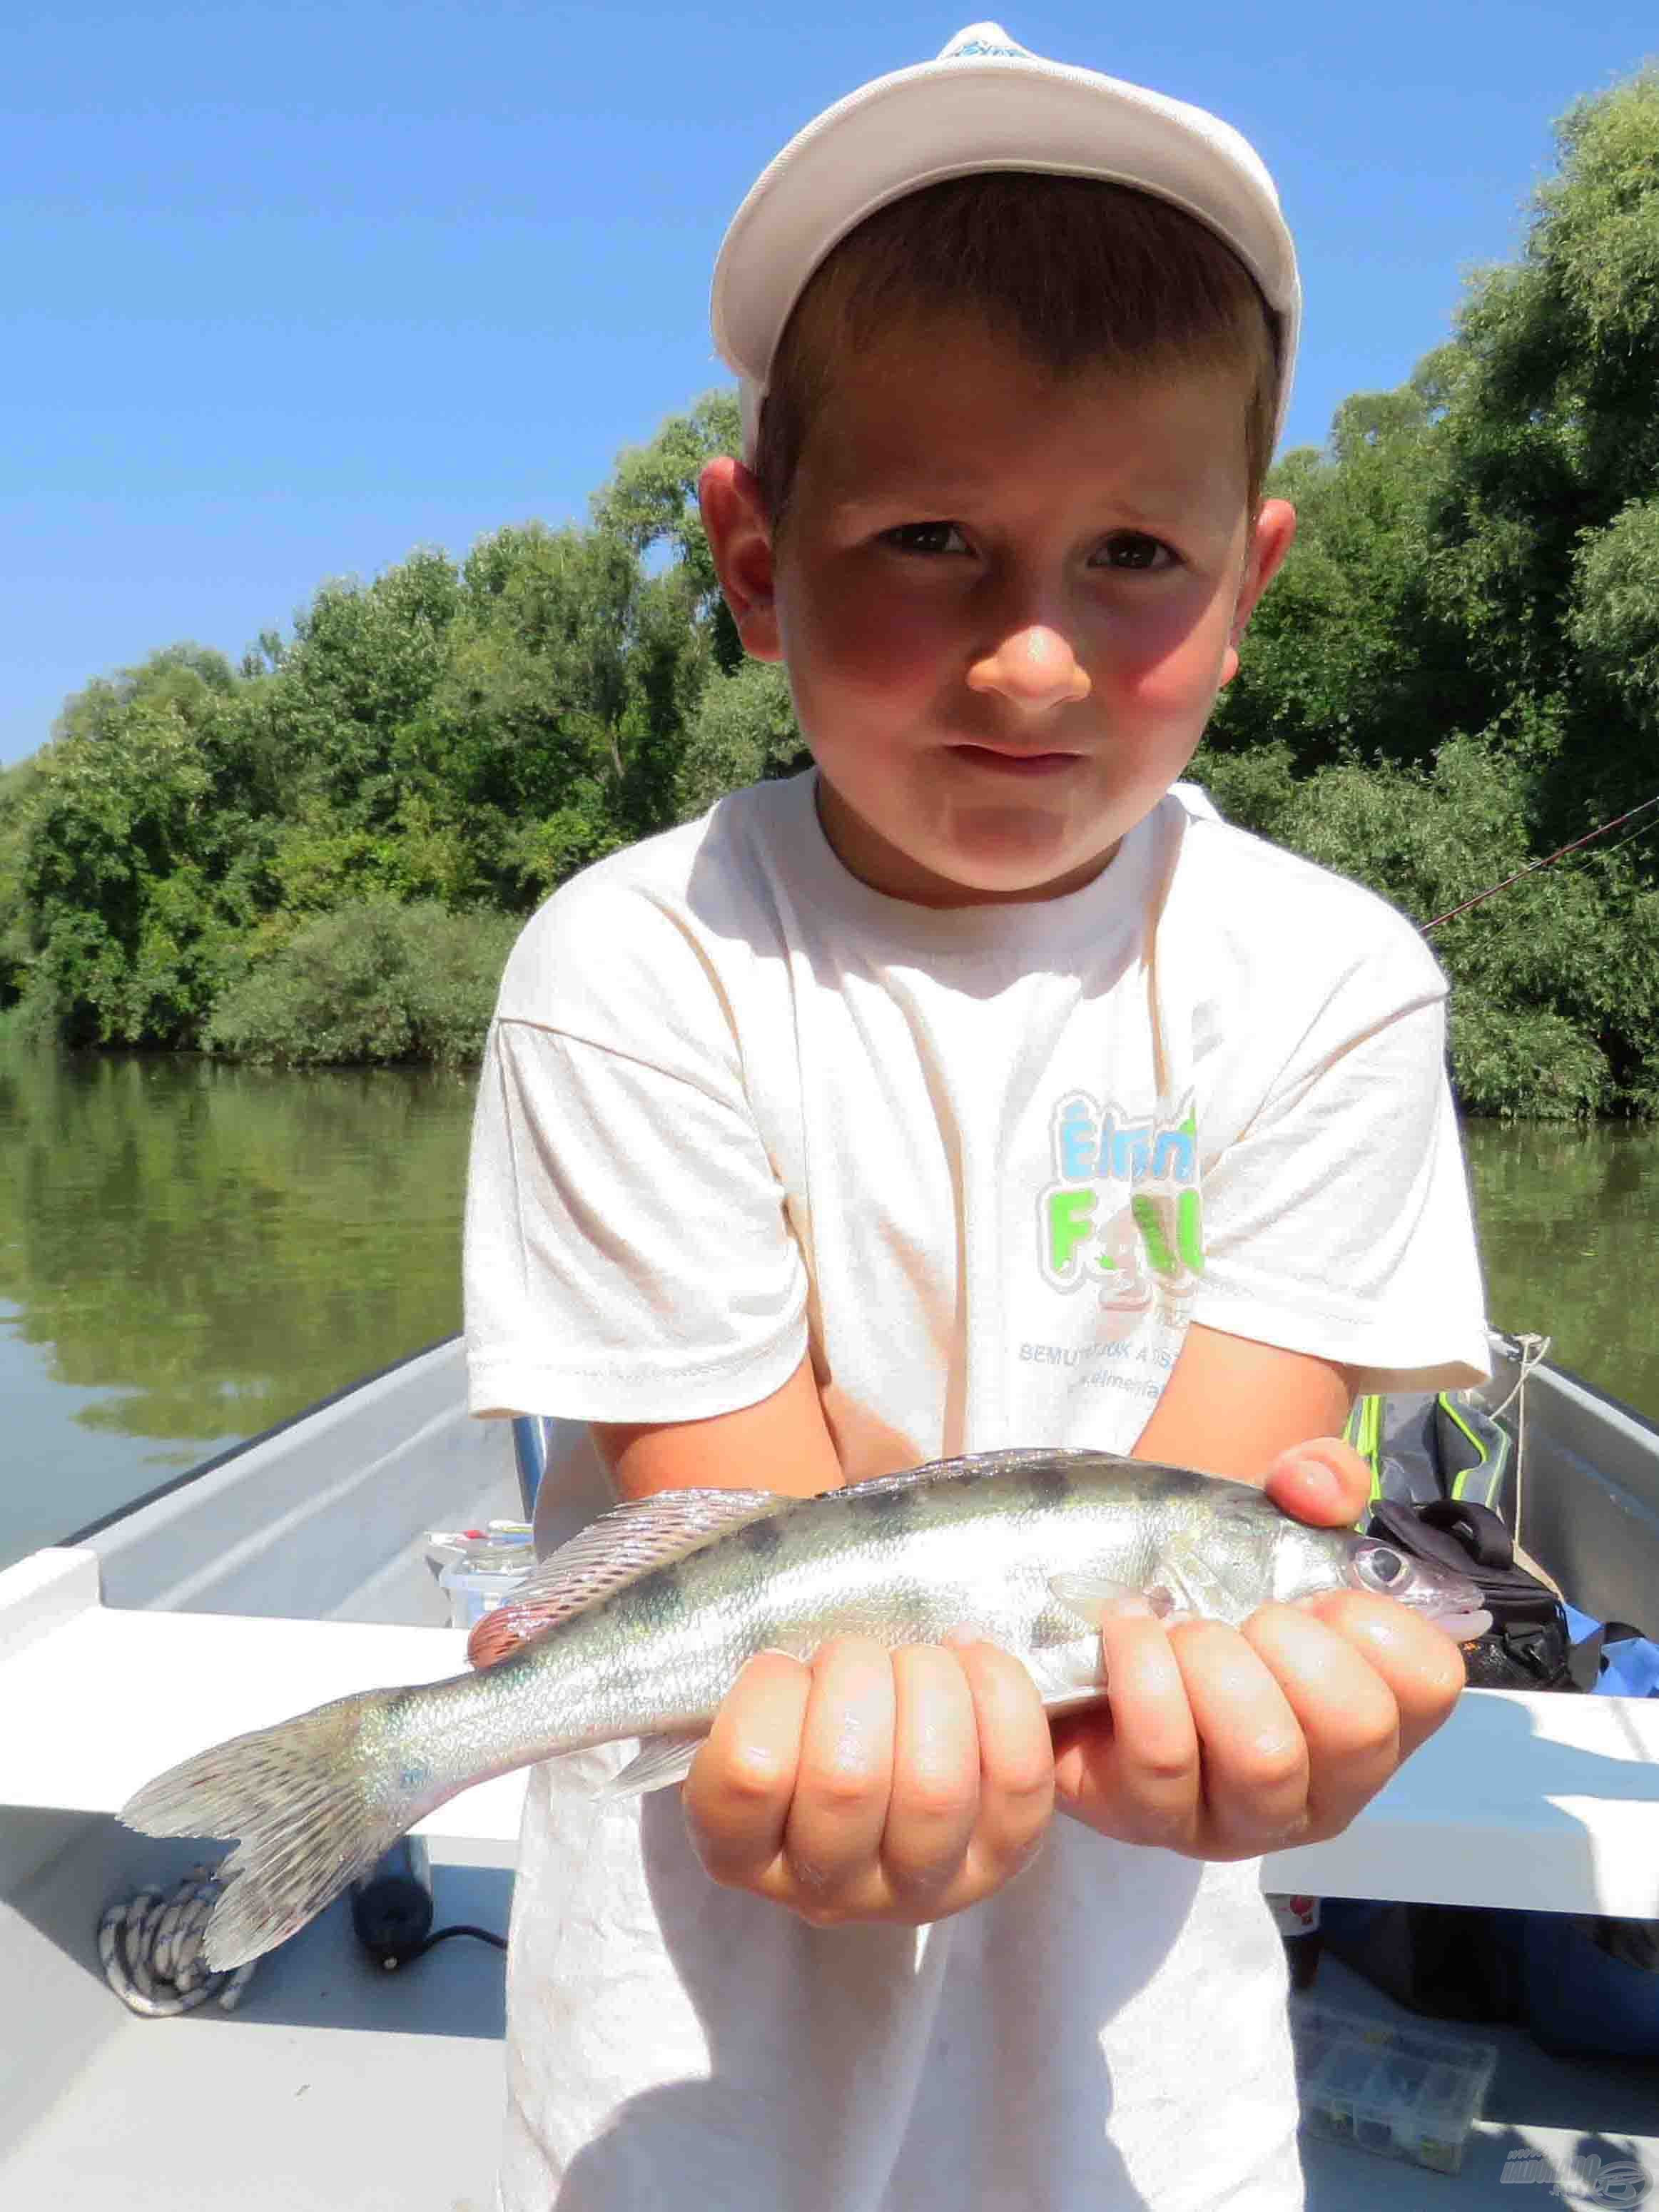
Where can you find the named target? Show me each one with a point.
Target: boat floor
(334, 2089)
(340, 2089)
(337, 2088)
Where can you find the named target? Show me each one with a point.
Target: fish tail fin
(314, 1802)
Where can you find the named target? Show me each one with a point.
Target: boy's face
(1006, 601)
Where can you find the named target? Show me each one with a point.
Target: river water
(189, 1251)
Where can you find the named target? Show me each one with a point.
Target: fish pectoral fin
(1067, 1675)
(1183, 1581)
(1094, 1599)
(1197, 1587)
(661, 1761)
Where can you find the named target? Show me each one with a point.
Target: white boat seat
(1521, 1800)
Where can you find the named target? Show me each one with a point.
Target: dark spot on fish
(760, 1539)
(660, 1590)
(415, 1778)
(1049, 1485)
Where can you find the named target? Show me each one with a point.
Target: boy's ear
(1270, 541)
(740, 540)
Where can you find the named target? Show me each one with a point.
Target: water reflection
(1569, 1221)
(192, 1251)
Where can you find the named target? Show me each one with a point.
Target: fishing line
(1549, 860)
(1646, 830)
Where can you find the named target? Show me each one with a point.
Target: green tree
(364, 662)
(743, 731)
(1552, 433)
(145, 842)
(193, 678)
(1345, 657)
(19, 787)
(651, 503)
(551, 739)
(1613, 620)
(1555, 982)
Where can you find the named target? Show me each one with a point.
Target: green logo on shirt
(1123, 1210)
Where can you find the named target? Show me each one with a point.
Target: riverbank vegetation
(321, 853)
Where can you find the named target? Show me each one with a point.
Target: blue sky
(292, 289)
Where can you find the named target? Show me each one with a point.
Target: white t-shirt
(989, 1163)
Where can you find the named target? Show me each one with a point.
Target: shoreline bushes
(377, 984)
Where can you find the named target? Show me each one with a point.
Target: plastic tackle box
(1400, 2091)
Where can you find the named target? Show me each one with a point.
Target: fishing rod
(1548, 861)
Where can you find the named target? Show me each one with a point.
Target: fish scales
(641, 1625)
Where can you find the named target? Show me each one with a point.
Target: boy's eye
(926, 537)
(1134, 549)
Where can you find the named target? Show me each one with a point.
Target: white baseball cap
(986, 103)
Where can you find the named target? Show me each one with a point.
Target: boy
(980, 1089)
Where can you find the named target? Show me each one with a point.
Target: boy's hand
(1221, 1743)
(904, 1786)
(874, 1785)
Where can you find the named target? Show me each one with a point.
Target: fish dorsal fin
(974, 1469)
(627, 1541)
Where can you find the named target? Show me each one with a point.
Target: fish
(639, 1626)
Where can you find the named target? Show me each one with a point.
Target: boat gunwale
(211, 1465)
(1601, 1397)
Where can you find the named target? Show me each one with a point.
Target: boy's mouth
(1015, 761)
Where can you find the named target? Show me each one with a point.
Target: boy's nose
(1033, 668)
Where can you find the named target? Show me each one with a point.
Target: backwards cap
(985, 104)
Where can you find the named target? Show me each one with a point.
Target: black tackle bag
(1528, 1645)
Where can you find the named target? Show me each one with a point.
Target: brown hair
(1077, 273)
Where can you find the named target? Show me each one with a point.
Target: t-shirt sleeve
(1338, 1222)
(627, 1254)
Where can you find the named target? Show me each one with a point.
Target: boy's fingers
(1420, 1663)
(738, 1792)
(874, 1785)
(1256, 1759)
(934, 1804)
(832, 1835)
(1325, 1483)
(1143, 1776)
(1016, 1763)
(1347, 1713)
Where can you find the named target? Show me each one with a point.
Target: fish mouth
(1462, 1627)
(1453, 1604)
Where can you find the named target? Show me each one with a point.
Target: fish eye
(1381, 1567)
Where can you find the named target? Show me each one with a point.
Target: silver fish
(640, 1626)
